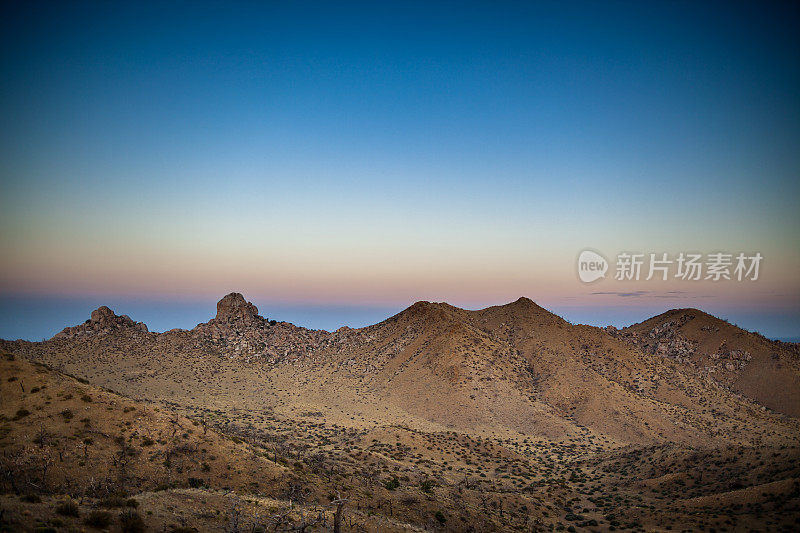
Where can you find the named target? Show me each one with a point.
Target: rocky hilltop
(744, 362)
(234, 307)
(236, 330)
(239, 330)
(102, 322)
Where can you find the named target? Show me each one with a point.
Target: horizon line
(781, 338)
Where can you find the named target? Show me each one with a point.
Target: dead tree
(234, 515)
(41, 437)
(306, 522)
(339, 502)
(120, 460)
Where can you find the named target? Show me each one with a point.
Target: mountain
(437, 418)
(510, 369)
(522, 369)
(748, 363)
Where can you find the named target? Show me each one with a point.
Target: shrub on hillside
(131, 522)
(98, 519)
(68, 508)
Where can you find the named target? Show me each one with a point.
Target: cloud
(652, 294)
(633, 294)
(671, 294)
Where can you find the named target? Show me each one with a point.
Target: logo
(591, 266)
(685, 266)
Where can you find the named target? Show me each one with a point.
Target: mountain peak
(102, 320)
(428, 312)
(681, 315)
(102, 314)
(234, 306)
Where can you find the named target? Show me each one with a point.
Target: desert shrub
(439, 516)
(98, 519)
(86, 398)
(392, 483)
(131, 522)
(163, 486)
(426, 486)
(195, 483)
(21, 413)
(112, 502)
(67, 414)
(68, 508)
(132, 503)
(147, 441)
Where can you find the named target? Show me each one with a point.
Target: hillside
(515, 369)
(438, 417)
(748, 363)
(75, 455)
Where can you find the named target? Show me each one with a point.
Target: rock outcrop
(666, 340)
(102, 321)
(239, 330)
(663, 339)
(234, 307)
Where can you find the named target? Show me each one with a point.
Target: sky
(336, 162)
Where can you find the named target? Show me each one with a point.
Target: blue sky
(368, 155)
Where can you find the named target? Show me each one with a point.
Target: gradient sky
(336, 162)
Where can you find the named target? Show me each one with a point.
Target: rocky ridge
(102, 322)
(519, 347)
(666, 340)
(741, 361)
(444, 409)
(241, 331)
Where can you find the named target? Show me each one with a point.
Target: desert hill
(748, 363)
(523, 369)
(514, 369)
(438, 418)
(55, 421)
(76, 455)
(60, 435)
